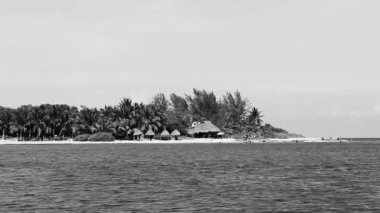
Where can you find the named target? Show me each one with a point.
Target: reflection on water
(186, 178)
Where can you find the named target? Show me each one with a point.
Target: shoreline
(184, 141)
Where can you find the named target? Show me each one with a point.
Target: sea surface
(315, 177)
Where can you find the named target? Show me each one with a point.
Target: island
(200, 116)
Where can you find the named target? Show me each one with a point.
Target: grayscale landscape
(189, 106)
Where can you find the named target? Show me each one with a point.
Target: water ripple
(191, 178)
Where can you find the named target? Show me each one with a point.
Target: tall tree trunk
(3, 134)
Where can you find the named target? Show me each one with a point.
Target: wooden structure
(137, 134)
(205, 129)
(175, 134)
(165, 135)
(149, 134)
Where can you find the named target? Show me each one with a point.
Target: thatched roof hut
(149, 133)
(205, 128)
(191, 131)
(165, 133)
(220, 134)
(137, 132)
(176, 133)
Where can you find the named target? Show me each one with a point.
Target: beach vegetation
(101, 136)
(232, 113)
(82, 137)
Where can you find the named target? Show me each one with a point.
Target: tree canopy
(231, 113)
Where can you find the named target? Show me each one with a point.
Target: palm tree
(88, 119)
(152, 119)
(119, 128)
(125, 108)
(67, 121)
(5, 120)
(40, 120)
(3, 127)
(254, 120)
(23, 120)
(56, 114)
(104, 123)
(29, 119)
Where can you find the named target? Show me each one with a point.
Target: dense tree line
(232, 113)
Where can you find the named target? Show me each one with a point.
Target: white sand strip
(186, 141)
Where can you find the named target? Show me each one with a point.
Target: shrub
(83, 137)
(101, 136)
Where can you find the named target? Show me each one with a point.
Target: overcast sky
(312, 67)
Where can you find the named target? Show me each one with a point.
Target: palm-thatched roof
(149, 133)
(203, 127)
(191, 131)
(165, 133)
(137, 132)
(176, 133)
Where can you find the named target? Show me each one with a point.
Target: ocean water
(191, 178)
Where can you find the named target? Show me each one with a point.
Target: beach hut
(165, 135)
(220, 134)
(176, 133)
(205, 129)
(149, 134)
(137, 134)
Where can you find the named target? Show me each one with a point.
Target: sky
(312, 67)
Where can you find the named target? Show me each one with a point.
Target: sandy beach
(299, 140)
(184, 141)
